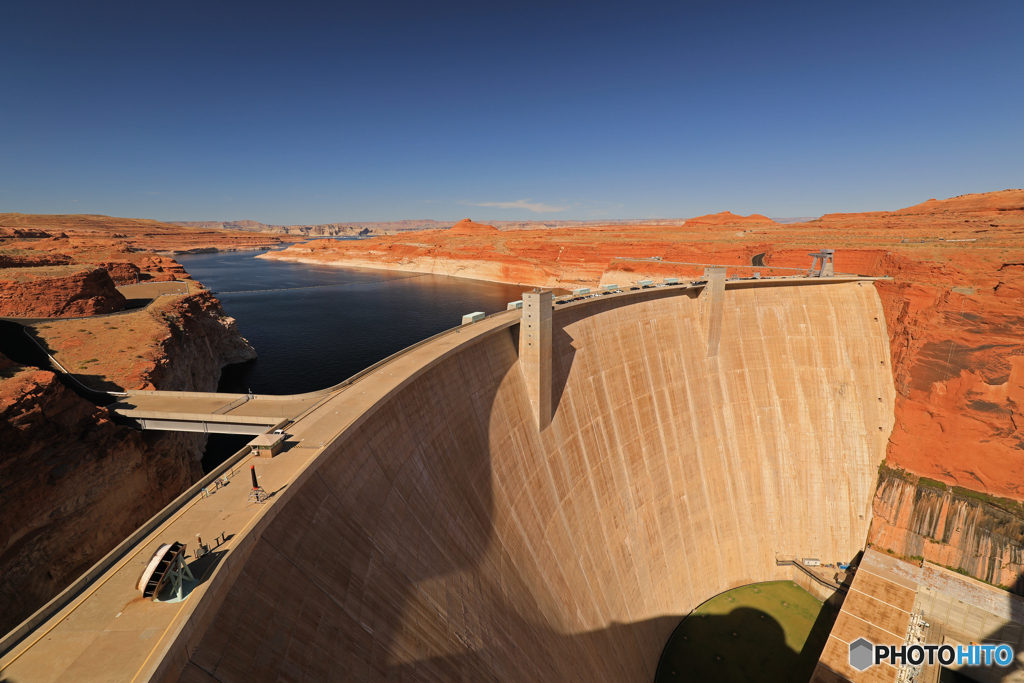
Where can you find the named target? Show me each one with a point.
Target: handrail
(828, 584)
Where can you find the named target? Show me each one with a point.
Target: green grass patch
(765, 632)
(1006, 504)
(886, 472)
(931, 483)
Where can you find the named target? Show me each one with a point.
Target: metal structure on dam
(440, 519)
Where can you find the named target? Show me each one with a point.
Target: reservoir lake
(315, 325)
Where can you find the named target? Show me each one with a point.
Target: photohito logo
(864, 654)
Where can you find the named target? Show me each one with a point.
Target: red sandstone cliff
(74, 483)
(25, 294)
(953, 528)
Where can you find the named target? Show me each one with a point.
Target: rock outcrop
(978, 535)
(467, 227)
(728, 218)
(74, 485)
(977, 202)
(200, 340)
(10, 261)
(25, 294)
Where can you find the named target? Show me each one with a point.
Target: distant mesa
(467, 227)
(978, 202)
(1004, 200)
(19, 233)
(729, 218)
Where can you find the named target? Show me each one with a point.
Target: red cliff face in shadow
(75, 483)
(953, 308)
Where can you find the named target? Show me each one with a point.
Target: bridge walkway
(211, 413)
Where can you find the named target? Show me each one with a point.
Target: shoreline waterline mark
(864, 654)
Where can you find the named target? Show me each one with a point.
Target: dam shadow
(377, 545)
(573, 658)
(745, 646)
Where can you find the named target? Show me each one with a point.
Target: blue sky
(327, 112)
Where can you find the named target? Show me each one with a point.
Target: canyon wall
(443, 537)
(25, 294)
(200, 340)
(75, 483)
(980, 536)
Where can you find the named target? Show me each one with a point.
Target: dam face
(446, 538)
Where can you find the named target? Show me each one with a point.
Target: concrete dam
(446, 518)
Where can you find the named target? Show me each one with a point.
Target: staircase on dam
(432, 519)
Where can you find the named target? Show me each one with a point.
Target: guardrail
(827, 584)
(718, 265)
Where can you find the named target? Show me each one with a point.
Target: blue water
(314, 326)
(309, 339)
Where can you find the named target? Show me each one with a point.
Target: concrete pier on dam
(459, 524)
